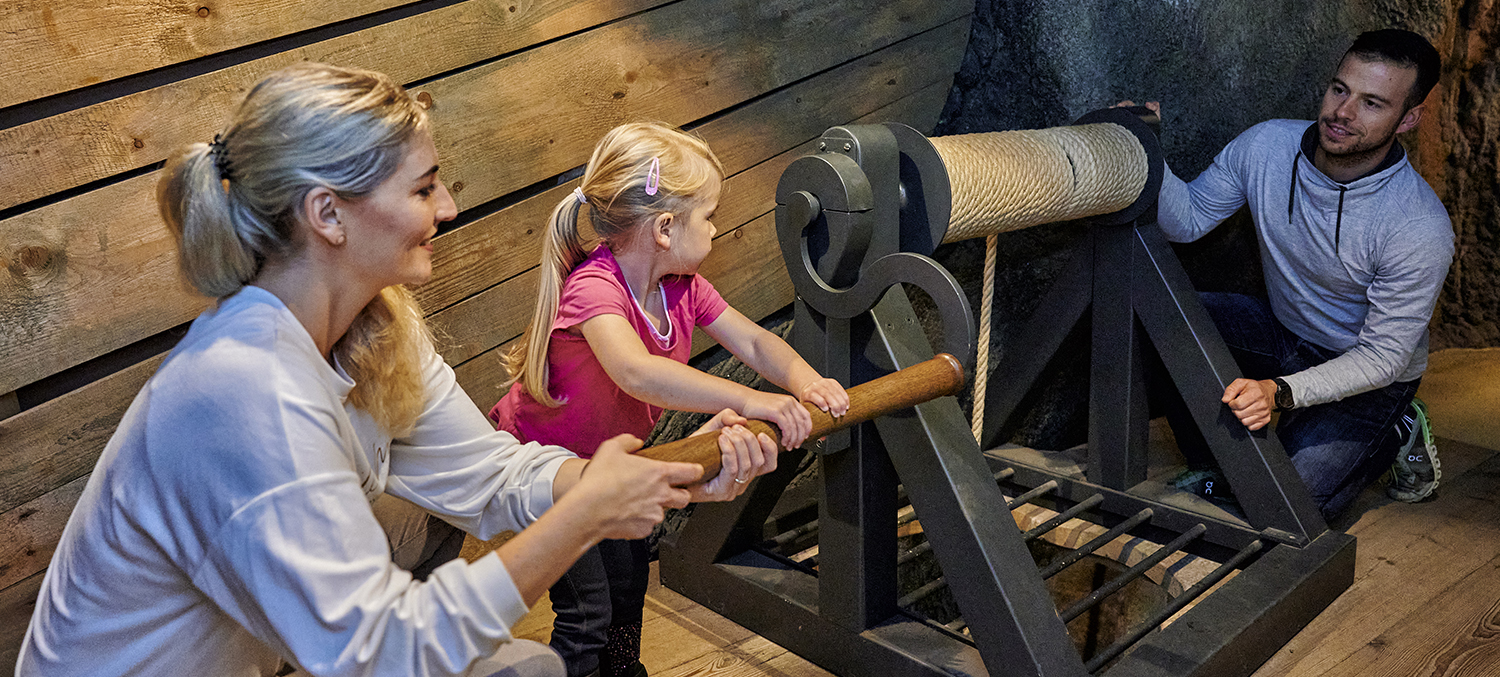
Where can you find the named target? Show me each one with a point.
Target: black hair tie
(220, 154)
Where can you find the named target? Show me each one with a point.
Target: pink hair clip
(653, 176)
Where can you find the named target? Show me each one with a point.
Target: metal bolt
(848, 147)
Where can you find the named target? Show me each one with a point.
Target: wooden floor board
(1407, 557)
(1455, 634)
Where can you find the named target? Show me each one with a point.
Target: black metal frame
(856, 221)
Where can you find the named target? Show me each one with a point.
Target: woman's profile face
(390, 230)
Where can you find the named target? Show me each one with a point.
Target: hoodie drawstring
(1338, 223)
(1291, 191)
(1291, 194)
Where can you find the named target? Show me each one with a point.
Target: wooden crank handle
(929, 380)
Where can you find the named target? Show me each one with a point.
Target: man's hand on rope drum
(743, 455)
(1251, 401)
(1154, 106)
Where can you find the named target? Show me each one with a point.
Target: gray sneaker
(1417, 470)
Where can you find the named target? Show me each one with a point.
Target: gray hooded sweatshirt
(1353, 267)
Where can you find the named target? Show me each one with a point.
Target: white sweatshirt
(1353, 267)
(227, 523)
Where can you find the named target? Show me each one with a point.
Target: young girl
(608, 346)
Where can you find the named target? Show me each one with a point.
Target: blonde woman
(228, 524)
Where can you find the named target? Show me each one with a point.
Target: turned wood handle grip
(939, 376)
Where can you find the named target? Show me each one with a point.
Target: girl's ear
(661, 231)
(320, 212)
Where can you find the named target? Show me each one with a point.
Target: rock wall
(1218, 68)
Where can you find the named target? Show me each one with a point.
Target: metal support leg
(1118, 413)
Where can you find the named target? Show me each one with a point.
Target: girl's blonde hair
(615, 185)
(235, 203)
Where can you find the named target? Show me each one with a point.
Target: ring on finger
(738, 481)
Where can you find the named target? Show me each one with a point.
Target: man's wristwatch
(1284, 399)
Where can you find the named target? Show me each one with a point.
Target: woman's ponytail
(194, 200)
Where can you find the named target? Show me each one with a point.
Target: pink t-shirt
(594, 409)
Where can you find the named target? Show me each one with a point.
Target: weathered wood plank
(54, 47)
(31, 531)
(486, 319)
(482, 376)
(76, 147)
(59, 441)
(1453, 634)
(678, 638)
(677, 64)
(744, 658)
(745, 266)
(87, 276)
(16, 604)
(47, 448)
(73, 262)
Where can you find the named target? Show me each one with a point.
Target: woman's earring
(340, 242)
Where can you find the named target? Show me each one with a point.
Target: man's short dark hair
(1405, 49)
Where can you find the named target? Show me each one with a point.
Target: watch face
(1283, 396)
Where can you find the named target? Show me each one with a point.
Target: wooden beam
(53, 47)
(31, 531)
(676, 64)
(9, 405)
(58, 441)
(97, 272)
(16, 605)
(73, 148)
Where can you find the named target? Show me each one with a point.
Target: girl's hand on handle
(827, 395)
(787, 412)
(631, 494)
(743, 455)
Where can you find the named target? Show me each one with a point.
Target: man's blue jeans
(1338, 448)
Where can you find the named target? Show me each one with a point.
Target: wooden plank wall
(519, 90)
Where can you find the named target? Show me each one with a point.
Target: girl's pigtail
(562, 251)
